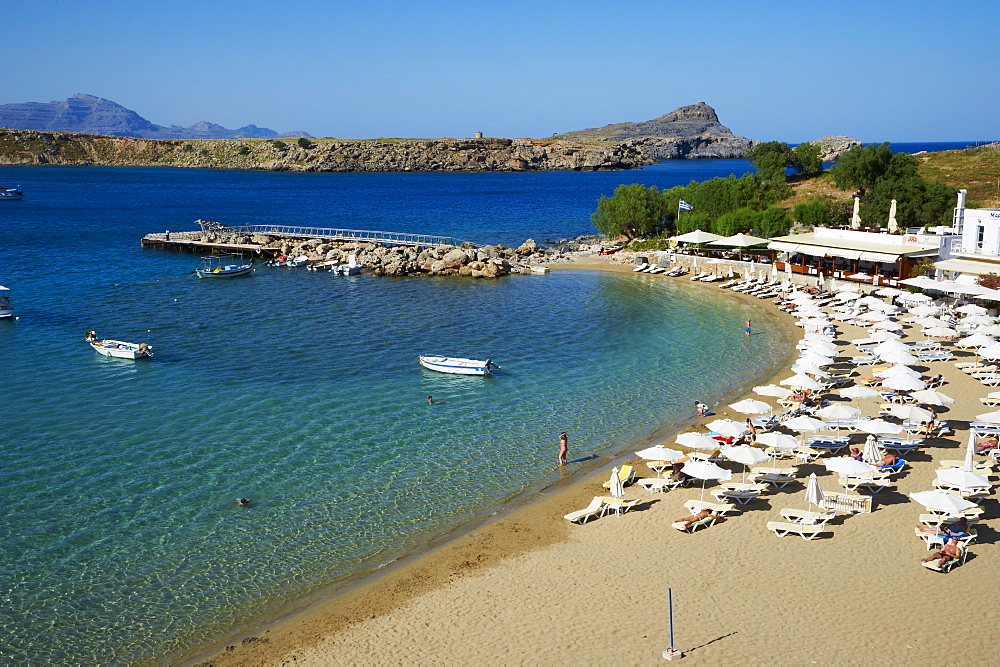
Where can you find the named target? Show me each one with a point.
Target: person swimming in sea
(243, 502)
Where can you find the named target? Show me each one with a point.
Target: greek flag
(684, 205)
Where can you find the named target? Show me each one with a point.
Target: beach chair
(937, 566)
(692, 526)
(893, 468)
(990, 401)
(741, 496)
(969, 493)
(806, 532)
(641, 267)
(807, 517)
(618, 505)
(777, 477)
(659, 485)
(720, 509)
(807, 454)
(594, 509)
(874, 483)
(626, 475)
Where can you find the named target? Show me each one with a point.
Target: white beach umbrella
(860, 391)
(803, 424)
(979, 320)
(773, 390)
(932, 397)
(848, 296)
(888, 325)
(823, 347)
(872, 453)
(705, 470)
(989, 417)
(940, 332)
(810, 369)
(991, 352)
(892, 345)
(838, 411)
(971, 309)
(916, 298)
(963, 479)
(860, 276)
(903, 383)
(898, 357)
(748, 456)
(801, 381)
(879, 427)
(749, 406)
(778, 440)
(989, 330)
(660, 453)
(697, 236)
(900, 369)
(727, 427)
(697, 440)
(617, 487)
(872, 316)
(911, 412)
(848, 466)
(845, 287)
(814, 494)
(889, 291)
(975, 340)
(928, 322)
(925, 310)
(942, 501)
(882, 334)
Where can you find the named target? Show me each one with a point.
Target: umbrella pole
(671, 652)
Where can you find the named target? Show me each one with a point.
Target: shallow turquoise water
(122, 539)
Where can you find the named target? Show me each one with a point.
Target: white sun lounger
(782, 528)
(594, 509)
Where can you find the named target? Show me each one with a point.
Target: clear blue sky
(791, 71)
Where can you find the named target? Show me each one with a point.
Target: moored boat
(223, 266)
(458, 365)
(119, 348)
(10, 194)
(6, 310)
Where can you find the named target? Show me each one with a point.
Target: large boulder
(455, 258)
(528, 247)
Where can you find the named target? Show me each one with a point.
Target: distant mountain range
(86, 114)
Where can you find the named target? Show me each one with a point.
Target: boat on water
(10, 194)
(351, 268)
(6, 310)
(224, 266)
(119, 348)
(458, 365)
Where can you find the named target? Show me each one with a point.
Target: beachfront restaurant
(876, 258)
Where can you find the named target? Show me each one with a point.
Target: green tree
(774, 222)
(770, 159)
(740, 221)
(864, 167)
(805, 160)
(304, 143)
(634, 211)
(814, 213)
(690, 221)
(243, 150)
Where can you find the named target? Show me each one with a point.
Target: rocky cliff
(93, 115)
(832, 148)
(692, 131)
(377, 155)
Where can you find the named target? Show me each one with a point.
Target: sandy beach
(531, 588)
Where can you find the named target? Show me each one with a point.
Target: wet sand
(531, 588)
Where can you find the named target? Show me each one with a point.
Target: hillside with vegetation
(974, 169)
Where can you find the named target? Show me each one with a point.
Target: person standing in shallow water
(748, 326)
(563, 447)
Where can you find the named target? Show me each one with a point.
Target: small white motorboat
(352, 268)
(458, 366)
(6, 310)
(219, 267)
(118, 348)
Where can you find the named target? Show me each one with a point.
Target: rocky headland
(831, 148)
(691, 131)
(27, 147)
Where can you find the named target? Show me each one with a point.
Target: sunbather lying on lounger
(889, 460)
(986, 444)
(956, 530)
(682, 524)
(948, 551)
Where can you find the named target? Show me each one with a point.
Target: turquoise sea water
(122, 539)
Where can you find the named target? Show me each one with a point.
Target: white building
(976, 248)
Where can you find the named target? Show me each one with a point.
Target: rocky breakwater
(324, 155)
(490, 261)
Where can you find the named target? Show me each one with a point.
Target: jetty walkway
(184, 240)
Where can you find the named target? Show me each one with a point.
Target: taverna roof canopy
(824, 242)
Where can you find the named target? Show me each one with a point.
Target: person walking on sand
(748, 326)
(563, 447)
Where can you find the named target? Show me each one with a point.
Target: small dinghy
(118, 348)
(458, 366)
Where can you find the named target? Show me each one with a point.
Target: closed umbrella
(848, 466)
(942, 501)
(773, 390)
(660, 453)
(800, 381)
(749, 406)
(911, 412)
(879, 427)
(903, 383)
(838, 411)
(778, 440)
(872, 453)
(802, 424)
(814, 494)
(932, 397)
(617, 487)
(970, 453)
(697, 440)
(705, 470)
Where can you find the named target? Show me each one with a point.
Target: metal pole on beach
(671, 653)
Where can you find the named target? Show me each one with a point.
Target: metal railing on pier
(327, 234)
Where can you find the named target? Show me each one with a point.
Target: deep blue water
(122, 539)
